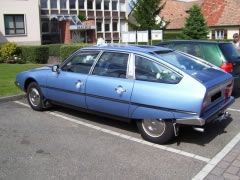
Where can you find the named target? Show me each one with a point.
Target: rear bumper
(209, 116)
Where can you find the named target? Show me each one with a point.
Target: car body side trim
(122, 101)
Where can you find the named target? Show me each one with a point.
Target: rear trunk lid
(218, 86)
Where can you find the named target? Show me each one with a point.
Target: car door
(154, 85)
(68, 84)
(108, 88)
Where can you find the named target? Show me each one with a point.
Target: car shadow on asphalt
(186, 135)
(211, 131)
(100, 120)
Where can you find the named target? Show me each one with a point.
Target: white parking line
(214, 161)
(231, 109)
(169, 149)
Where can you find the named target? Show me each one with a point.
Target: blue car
(159, 88)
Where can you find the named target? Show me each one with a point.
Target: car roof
(195, 41)
(128, 48)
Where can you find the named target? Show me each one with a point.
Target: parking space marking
(130, 138)
(216, 159)
(231, 109)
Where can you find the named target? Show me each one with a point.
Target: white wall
(30, 8)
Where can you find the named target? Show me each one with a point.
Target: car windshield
(229, 51)
(183, 62)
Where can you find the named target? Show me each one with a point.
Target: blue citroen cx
(159, 88)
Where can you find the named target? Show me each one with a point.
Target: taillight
(228, 67)
(228, 91)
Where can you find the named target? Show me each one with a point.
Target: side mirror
(55, 68)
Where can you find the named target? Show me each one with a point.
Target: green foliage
(82, 17)
(8, 50)
(195, 26)
(145, 13)
(172, 35)
(54, 49)
(67, 50)
(35, 54)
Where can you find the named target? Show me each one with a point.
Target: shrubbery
(9, 53)
(35, 54)
(54, 49)
(67, 50)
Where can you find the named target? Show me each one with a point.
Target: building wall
(30, 9)
(98, 15)
(229, 31)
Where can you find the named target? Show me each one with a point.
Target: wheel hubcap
(153, 127)
(34, 97)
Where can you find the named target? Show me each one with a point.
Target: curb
(12, 98)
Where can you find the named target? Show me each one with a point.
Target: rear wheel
(35, 97)
(155, 130)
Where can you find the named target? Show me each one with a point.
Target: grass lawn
(7, 77)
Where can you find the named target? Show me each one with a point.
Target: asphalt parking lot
(67, 144)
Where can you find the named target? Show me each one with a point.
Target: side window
(147, 70)
(112, 64)
(192, 49)
(81, 63)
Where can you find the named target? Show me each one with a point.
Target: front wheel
(155, 130)
(35, 97)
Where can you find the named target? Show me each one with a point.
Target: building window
(219, 34)
(90, 5)
(106, 5)
(114, 5)
(107, 27)
(99, 26)
(54, 26)
(44, 4)
(115, 26)
(63, 4)
(81, 4)
(14, 24)
(45, 27)
(53, 4)
(72, 4)
(98, 4)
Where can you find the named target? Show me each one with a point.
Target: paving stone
(214, 177)
(229, 158)
(238, 156)
(236, 163)
(230, 176)
(232, 170)
(218, 171)
(223, 164)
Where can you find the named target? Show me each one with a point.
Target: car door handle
(79, 84)
(120, 89)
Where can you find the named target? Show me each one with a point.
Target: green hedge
(54, 49)
(67, 50)
(35, 54)
(172, 35)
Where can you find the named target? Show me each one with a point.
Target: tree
(145, 13)
(195, 26)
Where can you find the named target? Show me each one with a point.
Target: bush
(172, 35)
(8, 50)
(67, 50)
(35, 54)
(54, 49)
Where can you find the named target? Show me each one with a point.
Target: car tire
(156, 131)
(35, 97)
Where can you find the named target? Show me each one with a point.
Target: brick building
(58, 21)
(222, 16)
(102, 18)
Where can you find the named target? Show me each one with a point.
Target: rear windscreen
(229, 51)
(182, 62)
